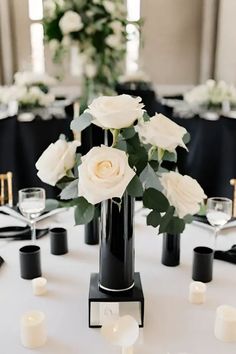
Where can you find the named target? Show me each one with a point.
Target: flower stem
(115, 133)
(151, 152)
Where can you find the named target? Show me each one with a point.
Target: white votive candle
(33, 329)
(225, 323)
(39, 286)
(197, 292)
(128, 350)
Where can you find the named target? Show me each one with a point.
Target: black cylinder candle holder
(170, 250)
(58, 241)
(30, 262)
(91, 232)
(202, 264)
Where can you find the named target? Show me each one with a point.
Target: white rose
(113, 40)
(160, 131)
(183, 192)
(90, 70)
(49, 8)
(116, 112)
(70, 22)
(54, 44)
(116, 26)
(198, 95)
(104, 174)
(56, 160)
(66, 41)
(46, 99)
(109, 6)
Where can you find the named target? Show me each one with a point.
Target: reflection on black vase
(116, 266)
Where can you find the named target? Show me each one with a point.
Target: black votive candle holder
(202, 264)
(30, 262)
(58, 241)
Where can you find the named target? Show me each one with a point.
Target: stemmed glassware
(31, 205)
(218, 213)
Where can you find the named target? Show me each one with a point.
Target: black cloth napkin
(20, 232)
(227, 256)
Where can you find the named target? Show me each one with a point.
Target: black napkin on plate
(20, 232)
(227, 256)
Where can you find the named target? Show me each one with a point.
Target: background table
(172, 324)
(22, 143)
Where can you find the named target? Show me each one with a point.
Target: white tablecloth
(172, 324)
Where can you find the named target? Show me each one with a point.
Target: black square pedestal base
(126, 303)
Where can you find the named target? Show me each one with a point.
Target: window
(132, 58)
(36, 35)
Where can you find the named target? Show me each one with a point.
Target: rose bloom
(104, 174)
(183, 192)
(113, 40)
(116, 112)
(160, 131)
(56, 160)
(70, 22)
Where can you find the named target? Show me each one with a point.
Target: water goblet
(218, 213)
(31, 204)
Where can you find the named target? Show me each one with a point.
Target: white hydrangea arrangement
(212, 94)
(29, 90)
(133, 163)
(97, 28)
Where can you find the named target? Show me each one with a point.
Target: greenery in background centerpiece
(97, 28)
(133, 163)
(212, 95)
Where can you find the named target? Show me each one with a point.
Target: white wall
(226, 46)
(172, 37)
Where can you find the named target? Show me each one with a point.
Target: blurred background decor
(95, 31)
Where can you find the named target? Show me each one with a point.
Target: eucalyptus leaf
(84, 211)
(175, 226)
(64, 181)
(128, 133)
(121, 145)
(135, 188)
(51, 204)
(154, 218)
(186, 138)
(188, 219)
(170, 156)
(80, 123)
(146, 117)
(70, 191)
(154, 199)
(165, 220)
(150, 179)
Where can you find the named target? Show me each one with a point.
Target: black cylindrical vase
(91, 232)
(170, 249)
(116, 265)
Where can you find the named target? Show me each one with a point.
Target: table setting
(64, 294)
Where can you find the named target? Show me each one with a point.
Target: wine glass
(31, 204)
(218, 213)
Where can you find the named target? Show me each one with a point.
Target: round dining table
(172, 325)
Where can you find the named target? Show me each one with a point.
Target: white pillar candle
(225, 323)
(197, 292)
(33, 329)
(39, 286)
(128, 350)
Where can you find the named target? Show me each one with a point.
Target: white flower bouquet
(133, 163)
(212, 94)
(97, 28)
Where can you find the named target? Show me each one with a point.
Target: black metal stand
(129, 302)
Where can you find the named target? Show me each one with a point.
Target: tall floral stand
(116, 289)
